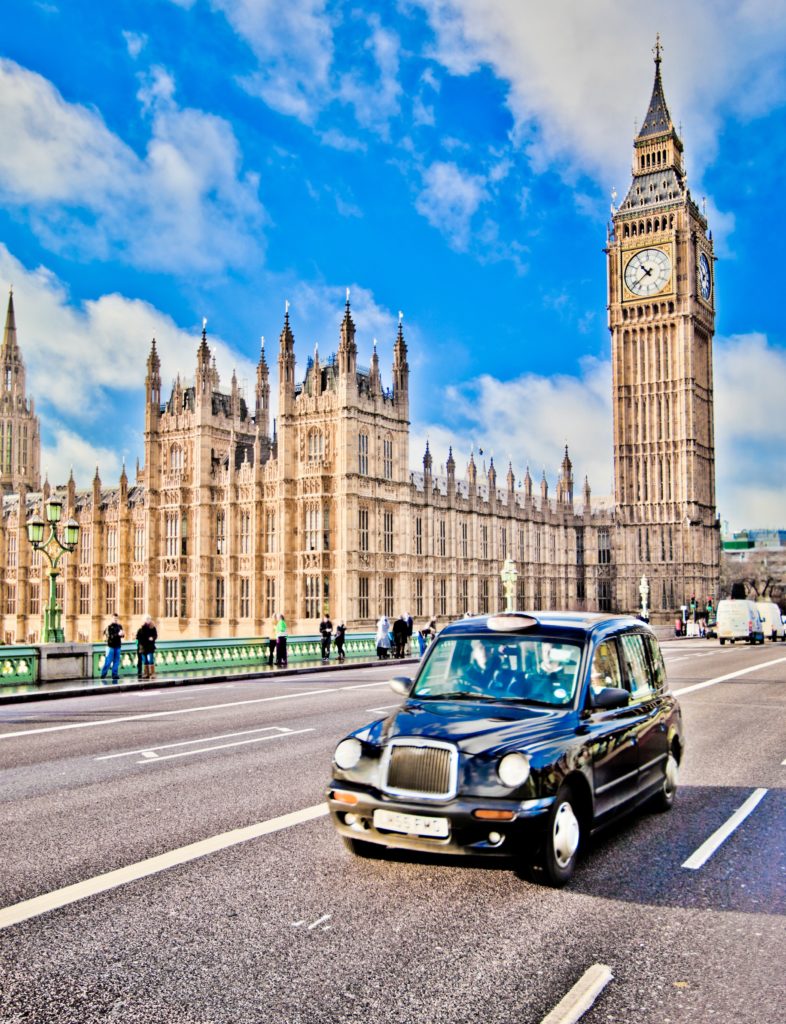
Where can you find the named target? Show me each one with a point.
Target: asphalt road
(285, 926)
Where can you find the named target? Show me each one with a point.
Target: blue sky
(165, 160)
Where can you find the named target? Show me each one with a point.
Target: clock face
(648, 272)
(705, 283)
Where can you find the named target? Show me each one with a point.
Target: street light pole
(53, 548)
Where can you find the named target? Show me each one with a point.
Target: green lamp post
(53, 547)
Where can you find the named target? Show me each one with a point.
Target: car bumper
(467, 834)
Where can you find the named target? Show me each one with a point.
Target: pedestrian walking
(326, 631)
(114, 640)
(383, 638)
(281, 642)
(146, 637)
(341, 630)
(271, 644)
(410, 630)
(399, 636)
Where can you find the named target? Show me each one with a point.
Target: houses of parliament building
(229, 522)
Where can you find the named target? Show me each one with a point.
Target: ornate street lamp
(54, 548)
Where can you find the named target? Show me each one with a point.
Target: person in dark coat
(400, 636)
(341, 631)
(326, 631)
(146, 637)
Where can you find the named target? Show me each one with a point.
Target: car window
(501, 668)
(636, 665)
(605, 667)
(658, 665)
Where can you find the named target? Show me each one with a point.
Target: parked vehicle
(521, 734)
(771, 620)
(739, 620)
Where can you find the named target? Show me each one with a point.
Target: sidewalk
(88, 687)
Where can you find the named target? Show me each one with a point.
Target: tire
(722, 641)
(562, 839)
(664, 798)
(360, 848)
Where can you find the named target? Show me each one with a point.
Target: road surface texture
(137, 799)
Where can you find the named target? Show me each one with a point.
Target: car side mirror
(609, 698)
(401, 685)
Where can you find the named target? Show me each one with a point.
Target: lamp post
(54, 548)
(509, 577)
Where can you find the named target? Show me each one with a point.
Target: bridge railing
(18, 665)
(239, 654)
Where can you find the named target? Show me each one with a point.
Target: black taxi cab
(521, 734)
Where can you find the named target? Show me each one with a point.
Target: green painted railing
(18, 665)
(242, 654)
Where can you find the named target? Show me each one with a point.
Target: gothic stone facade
(227, 523)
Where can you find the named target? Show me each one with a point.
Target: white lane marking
(152, 866)
(730, 675)
(385, 707)
(707, 848)
(160, 714)
(320, 920)
(223, 746)
(186, 743)
(364, 686)
(581, 997)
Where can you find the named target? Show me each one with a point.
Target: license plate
(412, 824)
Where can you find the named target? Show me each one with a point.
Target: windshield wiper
(454, 695)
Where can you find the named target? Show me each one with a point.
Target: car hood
(476, 727)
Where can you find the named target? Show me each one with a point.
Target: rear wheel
(723, 641)
(360, 848)
(664, 798)
(562, 839)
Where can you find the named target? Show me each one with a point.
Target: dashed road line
(385, 707)
(575, 1003)
(152, 866)
(709, 846)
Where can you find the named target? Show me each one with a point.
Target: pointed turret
(450, 467)
(20, 446)
(400, 369)
(565, 488)
(286, 365)
(347, 349)
(427, 467)
(375, 379)
(152, 388)
(492, 479)
(262, 411)
(587, 496)
(658, 119)
(527, 486)
(472, 475)
(544, 489)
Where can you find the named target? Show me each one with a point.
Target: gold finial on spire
(657, 48)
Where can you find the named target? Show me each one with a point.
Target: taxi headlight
(348, 753)
(513, 769)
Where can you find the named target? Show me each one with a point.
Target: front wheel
(722, 641)
(360, 848)
(562, 839)
(664, 798)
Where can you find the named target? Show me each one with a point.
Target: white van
(739, 620)
(771, 620)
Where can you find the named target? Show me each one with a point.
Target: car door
(647, 697)
(612, 736)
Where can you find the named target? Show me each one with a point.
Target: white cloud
(527, 421)
(186, 206)
(135, 43)
(293, 43)
(72, 452)
(579, 74)
(449, 199)
(80, 358)
(375, 102)
(750, 431)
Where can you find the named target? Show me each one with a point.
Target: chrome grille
(421, 768)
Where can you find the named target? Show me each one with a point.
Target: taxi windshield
(509, 669)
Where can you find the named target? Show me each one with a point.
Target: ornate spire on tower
(347, 349)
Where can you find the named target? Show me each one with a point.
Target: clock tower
(662, 319)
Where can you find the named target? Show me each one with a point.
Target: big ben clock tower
(662, 320)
